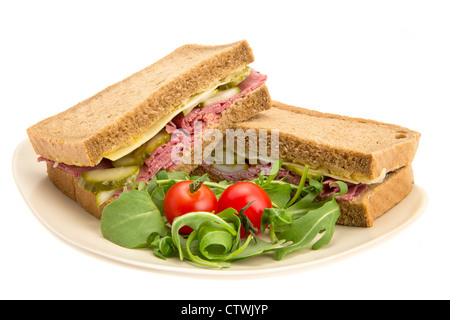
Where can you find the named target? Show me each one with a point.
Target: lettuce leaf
(130, 220)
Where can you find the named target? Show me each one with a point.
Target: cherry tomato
(239, 195)
(180, 200)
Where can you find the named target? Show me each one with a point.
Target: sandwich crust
(83, 134)
(377, 200)
(349, 146)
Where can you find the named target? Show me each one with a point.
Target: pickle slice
(108, 179)
(237, 79)
(154, 143)
(127, 161)
(137, 157)
(223, 95)
(298, 170)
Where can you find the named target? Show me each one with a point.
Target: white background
(384, 60)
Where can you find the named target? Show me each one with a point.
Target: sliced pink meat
(211, 114)
(74, 170)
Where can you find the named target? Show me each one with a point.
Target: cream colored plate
(70, 222)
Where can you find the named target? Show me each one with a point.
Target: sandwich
(129, 131)
(374, 159)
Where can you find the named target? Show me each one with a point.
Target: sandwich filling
(152, 152)
(292, 172)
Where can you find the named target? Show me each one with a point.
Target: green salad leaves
(296, 220)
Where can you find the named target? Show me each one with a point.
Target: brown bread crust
(68, 185)
(377, 200)
(83, 134)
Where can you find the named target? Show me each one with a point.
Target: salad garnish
(295, 220)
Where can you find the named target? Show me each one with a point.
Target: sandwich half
(131, 130)
(373, 158)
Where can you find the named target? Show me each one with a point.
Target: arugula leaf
(130, 220)
(196, 220)
(304, 230)
(300, 187)
(178, 176)
(158, 195)
(280, 194)
(152, 185)
(162, 247)
(215, 241)
(263, 181)
(256, 248)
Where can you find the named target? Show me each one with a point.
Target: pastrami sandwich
(125, 133)
(373, 158)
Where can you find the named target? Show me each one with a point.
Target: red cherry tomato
(239, 195)
(180, 200)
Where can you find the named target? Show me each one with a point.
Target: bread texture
(377, 200)
(68, 185)
(112, 118)
(241, 109)
(350, 146)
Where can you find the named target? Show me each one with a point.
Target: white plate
(70, 222)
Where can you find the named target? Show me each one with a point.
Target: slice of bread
(377, 199)
(112, 118)
(241, 109)
(350, 146)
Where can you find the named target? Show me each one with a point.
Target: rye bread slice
(351, 146)
(84, 133)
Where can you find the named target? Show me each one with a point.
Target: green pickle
(137, 157)
(237, 79)
(154, 143)
(108, 179)
(298, 170)
(127, 161)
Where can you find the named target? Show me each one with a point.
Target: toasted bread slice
(349, 147)
(114, 117)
